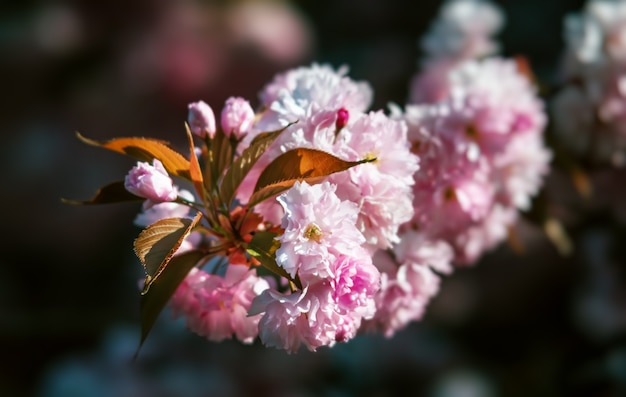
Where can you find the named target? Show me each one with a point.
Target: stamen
(313, 232)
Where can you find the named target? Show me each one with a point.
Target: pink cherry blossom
(318, 227)
(296, 92)
(590, 108)
(453, 189)
(490, 101)
(321, 99)
(463, 29)
(521, 170)
(308, 317)
(472, 243)
(416, 247)
(151, 182)
(405, 292)
(354, 284)
(597, 35)
(382, 188)
(482, 156)
(216, 307)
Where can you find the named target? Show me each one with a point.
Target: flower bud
(201, 119)
(151, 182)
(342, 118)
(237, 117)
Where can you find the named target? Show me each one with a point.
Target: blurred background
(517, 324)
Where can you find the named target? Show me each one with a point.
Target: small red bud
(342, 118)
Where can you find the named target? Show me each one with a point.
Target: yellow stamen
(313, 232)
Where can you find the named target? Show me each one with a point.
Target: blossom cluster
(478, 129)
(589, 108)
(482, 156)
(329, 231)
(312, 218)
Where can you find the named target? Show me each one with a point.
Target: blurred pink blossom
(216, 307)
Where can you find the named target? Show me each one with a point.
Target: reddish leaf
(157, 244)
(146, 149)
(302, 164)
(112, 193)
(195, 172)
(310, 165)
(275, 189)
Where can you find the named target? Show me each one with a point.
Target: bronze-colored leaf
(195, 173)
(112, 193)
(153, 302)
(263, 247)
(276, 189)
(310, 165)
(157, 244)
(303, 164)
(146, 149)
(237, 172)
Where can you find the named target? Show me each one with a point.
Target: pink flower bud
(201, 119)
(237, 117)
(342, 118)
(151, 182)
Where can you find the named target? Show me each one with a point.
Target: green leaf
(263, 247)
(237, 172)
(112, 193)
(162, 289)
(157, 244)
(146, 149)
(310, 165)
